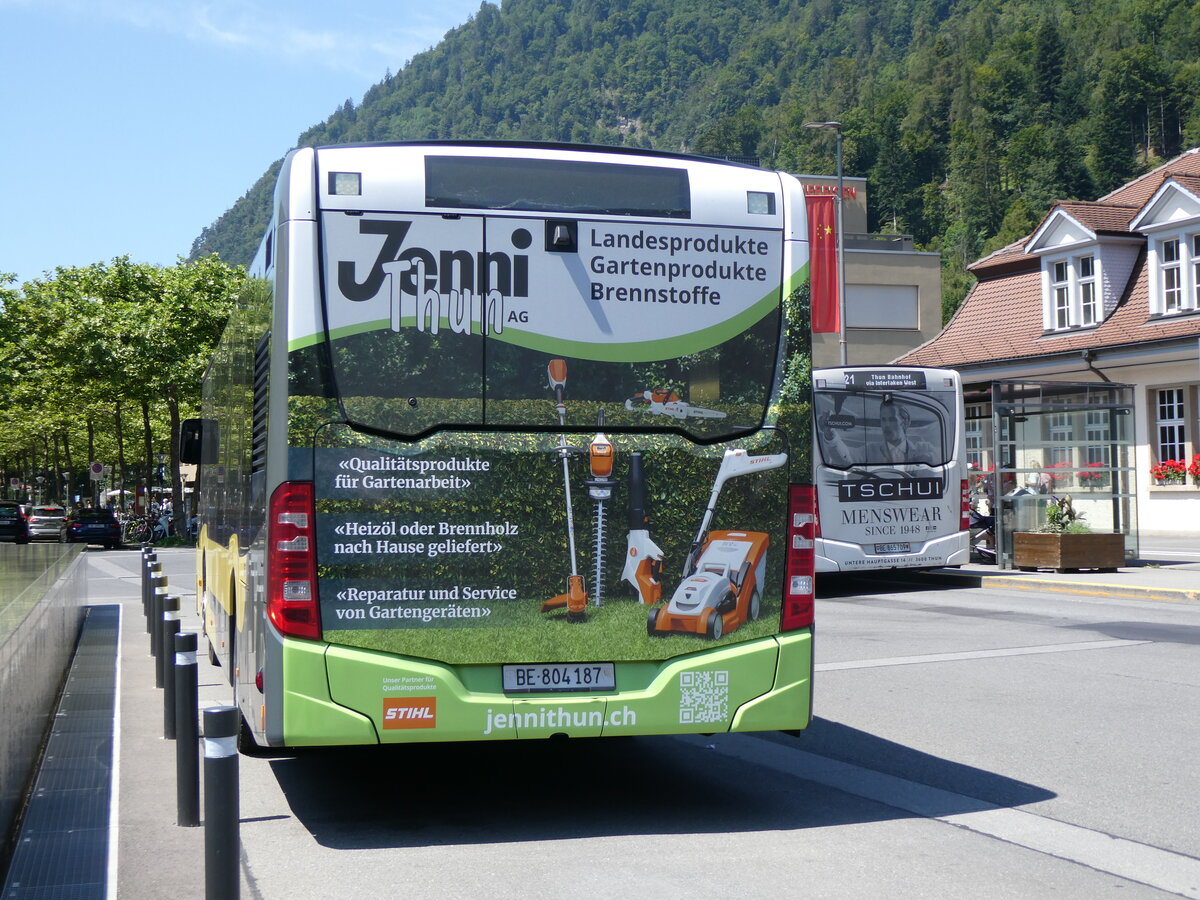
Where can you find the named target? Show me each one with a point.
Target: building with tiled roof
(1104, 291)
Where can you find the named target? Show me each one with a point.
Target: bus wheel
(212, 653)
(715, 627)
(246, 744)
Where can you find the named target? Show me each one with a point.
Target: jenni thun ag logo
(409, 712)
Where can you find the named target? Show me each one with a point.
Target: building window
(1170, 276)
(1060, 452)
(1074, 300)
(974, 436)
(1097, 437)
(1177, 275)
(1087, 291)
(1171, 424)
(1096, 451)
(1060, 290)
(1196, 271)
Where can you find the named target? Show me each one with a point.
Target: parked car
(97, 525)
(48, 522)
(13, 524)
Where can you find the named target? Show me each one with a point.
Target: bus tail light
(292, 561)
(964, 520)
(801, 558)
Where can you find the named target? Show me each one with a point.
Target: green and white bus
(498, 446)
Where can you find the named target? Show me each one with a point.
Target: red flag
(823, 270)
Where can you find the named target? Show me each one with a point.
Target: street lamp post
(836, 128)
(162, 459)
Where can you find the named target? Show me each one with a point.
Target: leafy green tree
(122, 343)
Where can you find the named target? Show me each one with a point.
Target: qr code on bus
(703, 697)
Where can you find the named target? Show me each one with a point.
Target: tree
(90, 345)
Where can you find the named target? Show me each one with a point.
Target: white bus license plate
(560, 677)
(893, 548)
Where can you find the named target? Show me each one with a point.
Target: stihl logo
(410, 712)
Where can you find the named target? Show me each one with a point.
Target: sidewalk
(1176, 579)
(155, 857)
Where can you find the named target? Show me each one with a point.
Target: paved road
(995, 743)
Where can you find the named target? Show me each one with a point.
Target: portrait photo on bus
(882, 428)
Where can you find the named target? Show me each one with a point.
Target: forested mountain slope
(967, 116)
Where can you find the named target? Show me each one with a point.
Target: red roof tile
(1190, 182)
(1108, 218)
(1142, 189)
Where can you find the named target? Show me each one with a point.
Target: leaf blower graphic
(643, 558)
(575, 599)
(724, 571)
(665, 402)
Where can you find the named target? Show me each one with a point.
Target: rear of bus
(531, 473)
(890, 470)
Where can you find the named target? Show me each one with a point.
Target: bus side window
(197, 440)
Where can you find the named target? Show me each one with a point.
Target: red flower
(1170, 470)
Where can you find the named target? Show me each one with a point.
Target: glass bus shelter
(1031, 442)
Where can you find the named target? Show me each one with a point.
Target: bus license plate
(560, 677)
(892, 548)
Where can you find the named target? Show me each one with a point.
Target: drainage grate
(62, 849)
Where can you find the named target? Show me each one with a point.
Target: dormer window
(1170, 220)
(1073, 300)
(1196, 271)
(1175, 274)
(1172, 291)
(1061, 287)
(1088, 312)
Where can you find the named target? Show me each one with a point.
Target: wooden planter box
(1063, 552)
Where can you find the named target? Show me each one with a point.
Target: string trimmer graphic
(575, 599)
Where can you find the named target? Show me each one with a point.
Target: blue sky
(130, 125)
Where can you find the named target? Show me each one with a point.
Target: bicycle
(139, 530)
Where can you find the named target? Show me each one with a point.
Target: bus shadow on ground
(443, 794)
(865, 585)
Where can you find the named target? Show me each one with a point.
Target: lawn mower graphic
(724, 572)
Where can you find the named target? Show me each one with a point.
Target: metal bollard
(145, 581)
(152, 570)
(162, 665)
(221, 841)
(187, 746)
(156, 608)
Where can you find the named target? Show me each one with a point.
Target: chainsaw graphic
(665, 402)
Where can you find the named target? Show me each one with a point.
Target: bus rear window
(543, 185)
(884, 428)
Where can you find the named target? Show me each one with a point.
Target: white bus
(890, 469)
(496, 448)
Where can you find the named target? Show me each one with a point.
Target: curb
(1033, 583)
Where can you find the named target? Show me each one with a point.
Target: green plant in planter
(1062, 518)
